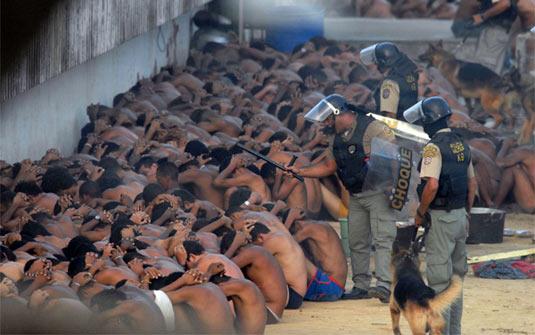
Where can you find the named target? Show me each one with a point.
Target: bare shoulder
(320, 228)
(276, 240)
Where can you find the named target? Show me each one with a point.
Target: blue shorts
(323, 288)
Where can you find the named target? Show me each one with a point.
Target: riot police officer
(399, 88)
(370, 217)
(447, 193)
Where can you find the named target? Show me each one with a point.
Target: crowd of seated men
(160, 223)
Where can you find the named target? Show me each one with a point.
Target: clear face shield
(414, 113)
(321, 111)
(367, 55)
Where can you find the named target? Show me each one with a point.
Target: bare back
(264, 270)
(231, 269)
(326, 247)
(291, 259)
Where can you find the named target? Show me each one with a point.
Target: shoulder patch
(430, 152)
(386, 93)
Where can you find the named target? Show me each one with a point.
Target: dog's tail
(445, 298)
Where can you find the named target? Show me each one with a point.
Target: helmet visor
(321, 111)
(367, 55)
(414, 113)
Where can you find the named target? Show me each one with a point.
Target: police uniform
(399, 89)
(505, 19)
(447, 158)
(494, 37)
(397, 92)
(371, 219)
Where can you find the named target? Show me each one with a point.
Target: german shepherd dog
(475, 81)
(526, 91)
(410, 296)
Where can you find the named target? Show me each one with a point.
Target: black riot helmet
(332, 104)
(384, 54)
(429, 111)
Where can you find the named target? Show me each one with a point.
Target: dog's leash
(460, 44)
(418, 242)
(466, 36)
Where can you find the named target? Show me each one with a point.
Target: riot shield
(393, 168)
(404, 130)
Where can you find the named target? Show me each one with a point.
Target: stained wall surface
(42, 39)
(98, 54)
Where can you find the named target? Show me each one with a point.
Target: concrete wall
(370, 29)
(42, 39)
(411, 35)
(52, 113)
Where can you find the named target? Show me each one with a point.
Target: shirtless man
(518, 175)
(53, 315)
(167, 175)
(148, 167)
(296, 194)
(374, 8)
(290, 257)
(484, 145)
(118, 134)
(242, 177)
(243, 217)
(287, 189)
(86, 286)
(148, 269)
(210, 309)
(47, 201)
(327, 271)
(249, 305)
(488, 176)
(242, 197)
(526, 12)
(213, 123)
(441, 9)
(156, 300)
(101, 269)
(195, 257)
(8, 219)
(408, 9)
(40, 272)
(261, 268)
(117, 193)
(117, 313)
(202, 181)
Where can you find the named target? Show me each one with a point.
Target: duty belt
(445, 204)
(367, 193)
